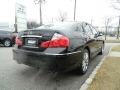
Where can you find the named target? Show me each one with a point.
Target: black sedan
(60, 47)
(7, 38)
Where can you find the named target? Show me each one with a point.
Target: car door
(2, 36)
(90, 40)
(77, 35)
(99, 42)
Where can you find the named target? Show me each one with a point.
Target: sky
(94, 11)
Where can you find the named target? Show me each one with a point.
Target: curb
(92, 75)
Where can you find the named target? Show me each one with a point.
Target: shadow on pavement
(49, 78)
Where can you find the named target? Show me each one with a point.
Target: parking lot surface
(15, 76)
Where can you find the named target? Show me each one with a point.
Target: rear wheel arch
(88, 51)
(83, 66)
(6, 39)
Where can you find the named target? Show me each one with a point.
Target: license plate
(31, 41)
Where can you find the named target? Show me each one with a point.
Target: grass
(116, 48)
(108, 76)
(112, 41)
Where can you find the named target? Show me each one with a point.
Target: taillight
(18, 41)
(57, 40)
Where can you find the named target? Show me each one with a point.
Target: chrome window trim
(32, 36)
(29, 47)
(52, 53)
(63, 54)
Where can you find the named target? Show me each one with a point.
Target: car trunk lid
(32, 39)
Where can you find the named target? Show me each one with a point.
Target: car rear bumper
(61, 62)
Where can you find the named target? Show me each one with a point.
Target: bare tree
(118, 29)
(40, 4)
(116, 6)
(62, 16)
(107, 22)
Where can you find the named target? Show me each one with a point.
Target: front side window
(93, 30)
(87, 30)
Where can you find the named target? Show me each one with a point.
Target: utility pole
(107, 21)
(91, 21)
(106, 27)
(40, 12)
(74, 10)
(15, 25)
(118, 31)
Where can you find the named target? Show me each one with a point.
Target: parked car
(61, 46)
(7, 38)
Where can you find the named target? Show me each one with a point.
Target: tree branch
(116, 4)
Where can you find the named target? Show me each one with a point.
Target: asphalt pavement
(15, 76)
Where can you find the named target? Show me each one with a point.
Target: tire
(84, 63)
(102, 50)
(7, 43)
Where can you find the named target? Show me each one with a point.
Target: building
(20, 17)
(13, 16)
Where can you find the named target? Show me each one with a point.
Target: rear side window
(78, 28)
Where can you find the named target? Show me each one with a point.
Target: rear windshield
(28, 32)
(58, 26)
(42, 32)
(64, 27)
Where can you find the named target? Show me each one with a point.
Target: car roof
(5, 31)
(55, 26)
(58, 25)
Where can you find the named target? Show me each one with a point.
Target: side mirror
(98, 34)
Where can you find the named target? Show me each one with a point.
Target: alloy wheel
(85, 61)
(7, 43)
